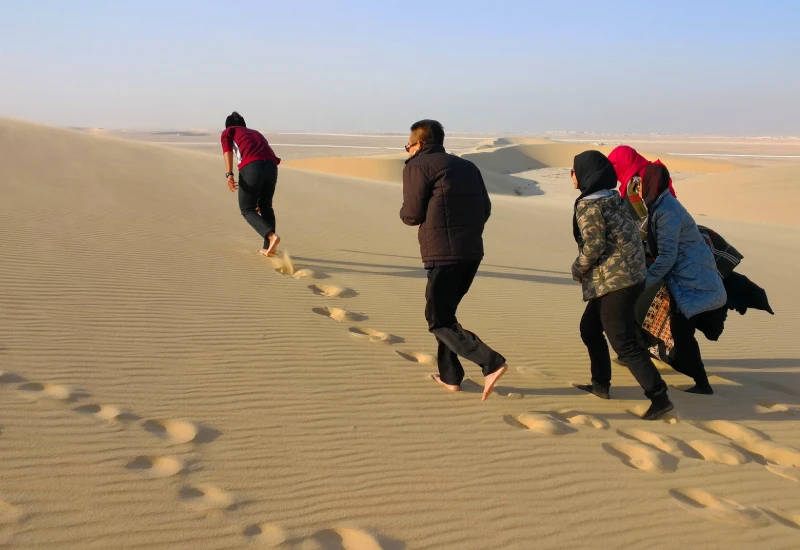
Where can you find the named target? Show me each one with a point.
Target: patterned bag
(656, 323)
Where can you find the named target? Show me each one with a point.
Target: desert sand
(165, 386)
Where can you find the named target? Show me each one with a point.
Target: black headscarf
(595, 173)
(656, 180)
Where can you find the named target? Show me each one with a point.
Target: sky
(689, 67)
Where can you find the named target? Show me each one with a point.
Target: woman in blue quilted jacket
(685, 263)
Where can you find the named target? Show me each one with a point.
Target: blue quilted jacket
(685, 262)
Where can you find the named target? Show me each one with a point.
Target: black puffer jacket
(445, 195)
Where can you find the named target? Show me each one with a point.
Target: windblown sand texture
(164, 386)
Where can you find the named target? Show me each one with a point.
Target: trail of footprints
(636, 448)
(639, 449)
(205, 499)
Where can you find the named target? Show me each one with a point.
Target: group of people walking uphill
(649, 275)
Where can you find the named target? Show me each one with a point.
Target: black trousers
(685, 355)
(257, 182)
(613, 314)
(447, 285)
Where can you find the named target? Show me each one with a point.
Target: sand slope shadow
(787, 519)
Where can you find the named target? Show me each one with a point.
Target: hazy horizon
(520, 67)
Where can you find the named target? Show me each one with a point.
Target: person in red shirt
(258, 176)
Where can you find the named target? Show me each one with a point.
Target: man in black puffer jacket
(445, 196)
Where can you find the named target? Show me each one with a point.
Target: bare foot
(273, 244)
(450, 387)
(491, 380)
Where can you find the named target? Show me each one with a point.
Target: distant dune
(499, 161)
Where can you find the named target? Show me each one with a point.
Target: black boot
(600, 390)
(701, 386)
(659, 406)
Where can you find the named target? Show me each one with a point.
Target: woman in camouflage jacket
(611, 268)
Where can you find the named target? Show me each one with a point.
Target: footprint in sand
(720, 453)
(48, 391)
(754, 442)
(375, 336)
(416, 357)
(309, 274)
(639, 410)
(176, 431)
(664, 443)
(731, 430)
(787, 472)
(767, 407)
(339, 314)
(205, 498)
(787, 519)
(579, 418)
(282, 263)
(10, 378)
(10, 518)
(110, 413)
(542, 424)
(346, 539)
(333, 291)
(267, 535)
(773, 452)
(642, 457)
(157, 466)
(723, 510)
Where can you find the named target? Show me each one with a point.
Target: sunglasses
(410, 145)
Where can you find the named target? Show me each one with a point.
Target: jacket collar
(427, 149)
(660, 199)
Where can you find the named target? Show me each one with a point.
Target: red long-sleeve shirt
(249, 145)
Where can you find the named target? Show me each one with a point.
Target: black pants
(257, 182)
(447, 285)
(685, 355)
(613, 314)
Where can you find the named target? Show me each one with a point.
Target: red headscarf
(628, 163)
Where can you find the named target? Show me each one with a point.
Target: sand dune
(165, 386)
(759, 195)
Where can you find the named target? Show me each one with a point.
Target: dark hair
(428, 131)
(235, 119)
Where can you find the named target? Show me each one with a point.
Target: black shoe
(660, 405)
(599, 390)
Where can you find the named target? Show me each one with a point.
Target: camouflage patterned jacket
(611, 253)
